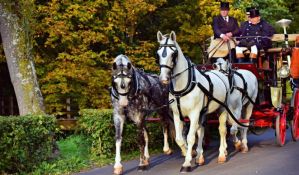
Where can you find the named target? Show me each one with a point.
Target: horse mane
(180, 52)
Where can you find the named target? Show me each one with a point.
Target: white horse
(186, 88)
(245, 84)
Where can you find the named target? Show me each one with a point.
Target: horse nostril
(122, 86)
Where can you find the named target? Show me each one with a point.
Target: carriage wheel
(280, 128)
(295, 121)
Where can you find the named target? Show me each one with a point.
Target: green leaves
(98, 124)
(25, 142)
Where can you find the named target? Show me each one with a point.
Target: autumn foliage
(75, 41)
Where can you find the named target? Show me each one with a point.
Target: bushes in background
(25, 142)
(98, 124)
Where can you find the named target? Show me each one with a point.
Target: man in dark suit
(226, 27)
(258, 33)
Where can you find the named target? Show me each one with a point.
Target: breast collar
(190, 84)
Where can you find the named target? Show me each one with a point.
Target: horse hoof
(200, 161)
(118, 171)
(221, 160)
(238, 146)
(169, 152)
(143, 168)
(244, 150)
(185, 169)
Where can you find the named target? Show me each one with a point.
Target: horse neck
(180, 82)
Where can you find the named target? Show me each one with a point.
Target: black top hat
(254, 13)
(248, 10)
(224, 5)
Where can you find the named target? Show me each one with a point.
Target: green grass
(75, 156)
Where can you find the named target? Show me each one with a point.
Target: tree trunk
(17, 48)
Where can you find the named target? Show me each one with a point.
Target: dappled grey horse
(135, 94)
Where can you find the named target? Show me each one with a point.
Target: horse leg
(236, 141)
(200, 134)
(143, 145)
(166, 148)
(236, 109)
(190, 140)
(248, 113)
(222, 132)
(178, 124)
(118, 123)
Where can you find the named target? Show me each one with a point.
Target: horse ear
(129, 66)
(114, 66)
(159, 36)
(173, 36)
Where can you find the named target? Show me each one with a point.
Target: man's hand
(225, 38)
(229, 34)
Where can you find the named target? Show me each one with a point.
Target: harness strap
(179, 107)
(206, 92)
(242, 90)
(113, 93)
(190, 86)
(205, 108)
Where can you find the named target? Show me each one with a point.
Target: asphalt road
(264, 158)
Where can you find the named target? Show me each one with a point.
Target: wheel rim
(282, 127)
(296, 126)
(295, 121)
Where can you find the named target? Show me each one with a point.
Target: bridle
(122, 76)
(164, 54)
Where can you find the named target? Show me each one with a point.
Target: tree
(16, 40)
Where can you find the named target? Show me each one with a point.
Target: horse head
(167, 55)
(122, 78)
(220, 65)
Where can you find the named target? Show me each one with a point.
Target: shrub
(98, 124)
(25, 142)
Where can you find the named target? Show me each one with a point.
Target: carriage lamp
(284, 23)
(283, 72)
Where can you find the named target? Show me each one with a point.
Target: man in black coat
(224, 26)
(256, 35)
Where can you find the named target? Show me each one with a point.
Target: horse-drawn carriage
(198, 91)
(272, 108)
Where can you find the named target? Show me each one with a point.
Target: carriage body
(273, 103)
